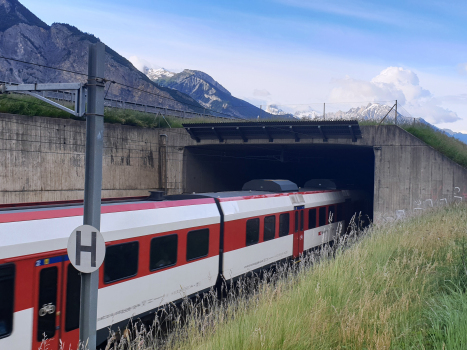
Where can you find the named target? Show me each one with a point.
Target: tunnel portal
(226, 167)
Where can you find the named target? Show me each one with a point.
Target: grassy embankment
(447, 145)
(30, 106)
(25, 105)
(401, 286)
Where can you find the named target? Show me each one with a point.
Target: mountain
(25, 37)
(372, 111)
(12, 12)
(307, 114)
(274, 109)
(458, 135)
(210, 94)
(155, 74)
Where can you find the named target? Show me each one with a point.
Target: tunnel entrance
(221, 167)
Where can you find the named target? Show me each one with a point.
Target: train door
(70, 306)
(299, 226)
(47, 301)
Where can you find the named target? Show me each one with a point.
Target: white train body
(157, 252)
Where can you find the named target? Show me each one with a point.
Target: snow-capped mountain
(155, 74)
(372, 111)
(208, 92)
(307, 114)
(274, 109)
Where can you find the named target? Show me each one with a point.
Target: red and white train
(157, 252)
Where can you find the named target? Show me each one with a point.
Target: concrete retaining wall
(42, 159)
(410, 175)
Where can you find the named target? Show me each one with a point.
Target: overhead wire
(43, 66)
(170, 98)
(121, 84)
(143, 91)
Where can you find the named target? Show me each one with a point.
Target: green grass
(400, 285)
(30, 106)
(447, 145)
(447, 318)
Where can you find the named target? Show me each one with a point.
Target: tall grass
(447, 319)
(401, 286)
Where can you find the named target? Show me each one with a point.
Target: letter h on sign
(86, 248)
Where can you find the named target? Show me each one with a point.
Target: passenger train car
(157, 252)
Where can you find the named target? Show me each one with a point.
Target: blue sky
(295, 53)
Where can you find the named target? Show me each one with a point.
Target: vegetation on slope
(401, 286)
(447, 145)
(30, 106)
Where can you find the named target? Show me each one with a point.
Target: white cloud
(455, 99)
(140, 63)
(261, 93)
(394, 83)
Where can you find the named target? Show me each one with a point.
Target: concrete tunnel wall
(43, 160)
(228, 167)
(407, 174)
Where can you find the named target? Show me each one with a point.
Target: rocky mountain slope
(209, 93)
(25, 37)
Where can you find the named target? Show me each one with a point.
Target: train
(159, 250)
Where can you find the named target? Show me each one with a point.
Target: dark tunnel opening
(214, 168)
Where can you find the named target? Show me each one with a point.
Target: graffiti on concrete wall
(437, 199)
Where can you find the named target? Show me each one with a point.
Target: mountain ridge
(64, 46)
(12, 12)
(211, 94)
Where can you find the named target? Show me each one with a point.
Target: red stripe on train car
(271, 195)
(110, 208)
(33, 205)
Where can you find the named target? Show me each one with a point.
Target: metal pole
(324, 111)
(92, 187)
(395, 118)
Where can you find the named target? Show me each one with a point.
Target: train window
(340, 212)
(163, 252)
(322, 216)
(332, 214)
(197, 244)
(46, 317)
(7, 292)
(252, 231)
(311, 218)
(269, 227)
(284, 225)
(296, 220)
(121, 261)
(73, 287)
